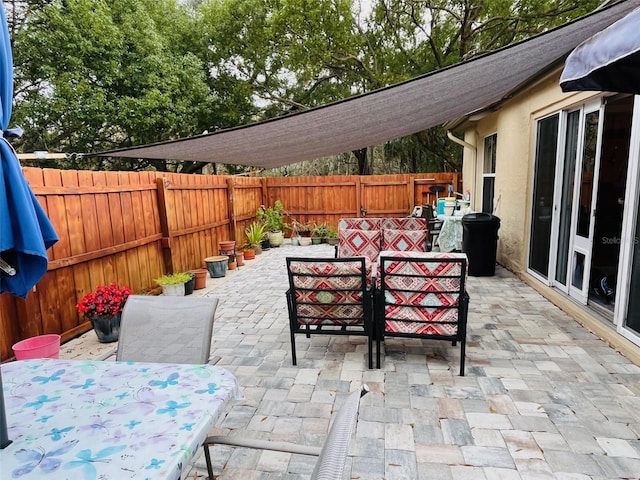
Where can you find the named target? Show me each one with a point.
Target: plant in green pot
(274, 223)
(173, 284)
(318, 232)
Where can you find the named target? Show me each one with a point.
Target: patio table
(94, 420)
(450, 237)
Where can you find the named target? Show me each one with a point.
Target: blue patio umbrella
(25, 230)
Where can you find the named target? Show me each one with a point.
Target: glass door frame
(628, 241)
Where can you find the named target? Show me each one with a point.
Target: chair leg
(207, 457)
(293, 347)
(462, 354)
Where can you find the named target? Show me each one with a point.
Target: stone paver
(543, 398)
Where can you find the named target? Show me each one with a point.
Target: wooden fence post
(163, 212)
(358, 194)
(231, 208)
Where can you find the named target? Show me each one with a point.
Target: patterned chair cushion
(404, 223)
(359, 243)
(423, 297)
(404, 240)
(359, 224)
(328, 300)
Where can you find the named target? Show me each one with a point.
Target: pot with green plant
(173, 284)
(331, 236)
(318, 232)
(255, 234)
(274, 223)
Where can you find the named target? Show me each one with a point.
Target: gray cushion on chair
(166, 329)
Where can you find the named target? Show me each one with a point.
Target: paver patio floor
(542, 398)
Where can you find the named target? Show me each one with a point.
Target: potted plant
(173, 284)
(255, 233)
(331, 235)
(318, 232)
(273, 220)
(249, 252)
(301, 231)
(103, 307)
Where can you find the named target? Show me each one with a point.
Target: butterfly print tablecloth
(92, 420)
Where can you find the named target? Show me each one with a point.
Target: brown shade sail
(389, 113)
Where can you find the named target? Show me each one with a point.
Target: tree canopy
(100, 74)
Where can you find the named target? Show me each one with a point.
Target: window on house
(489, 173)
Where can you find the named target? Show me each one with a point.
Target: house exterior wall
(514, 122)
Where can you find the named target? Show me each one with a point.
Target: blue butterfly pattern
(40, 401)
(56, 433)
(171, 380)
(87, 460)
(89, 382)
(172, 408)
(211, 389)
(45, 460)
(52, 378)
(155, 463)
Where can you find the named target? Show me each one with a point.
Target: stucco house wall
(514, 122)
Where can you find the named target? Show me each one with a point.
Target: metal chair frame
(461, 307)
(301, 323)
(332, 455)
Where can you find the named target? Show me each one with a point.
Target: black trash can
(480, 242)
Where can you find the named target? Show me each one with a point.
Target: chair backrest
(359, 237)
(330, 463)
(423, 294)
(405, 234)
(166, 329)
(328, 291)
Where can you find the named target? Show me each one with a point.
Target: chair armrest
(264, 445)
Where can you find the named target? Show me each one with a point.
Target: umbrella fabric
(25, 230)
(608, 61)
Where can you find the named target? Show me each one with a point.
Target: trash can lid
(480, 217)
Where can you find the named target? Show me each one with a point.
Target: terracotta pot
(201, 278)
(232, 265)
(240, 258)
(227, 247)
(257, 249)
(249, 254)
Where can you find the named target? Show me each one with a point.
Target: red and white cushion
(359, 224)
(359, 243)
(404, 240)
(404, 223)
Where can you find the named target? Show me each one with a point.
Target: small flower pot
(304, 241)
(201, 278)
(240, 258)
(295, 241)
(316, 240)
(249, 254)
(190, 286)
(227, 247)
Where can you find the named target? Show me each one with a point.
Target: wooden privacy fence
(132, 227)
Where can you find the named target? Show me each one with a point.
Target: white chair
(161, 329)
(331, 457)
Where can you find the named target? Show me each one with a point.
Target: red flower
(105, 300)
